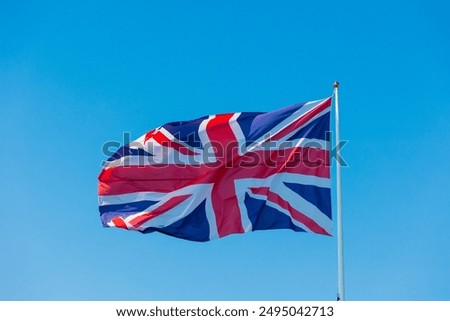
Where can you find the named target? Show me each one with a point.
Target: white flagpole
(340, 240)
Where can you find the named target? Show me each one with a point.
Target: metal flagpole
(340, 241)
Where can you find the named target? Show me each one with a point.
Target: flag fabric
(224, 174)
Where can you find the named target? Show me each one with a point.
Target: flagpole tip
(336, 84)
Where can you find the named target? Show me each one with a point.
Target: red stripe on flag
(225, 204)
(171, 203)
(149, 135)
(262, 164)
(169, 177)
(222, 138)
(162, 139)
(156, 178)
(302, 120)
(119, 222)
(154, 172)
(297, 215)
(219, 129)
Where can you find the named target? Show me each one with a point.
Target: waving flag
(223, 174)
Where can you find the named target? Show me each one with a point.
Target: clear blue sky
(74, 75)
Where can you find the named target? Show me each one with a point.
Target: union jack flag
(223, 174)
